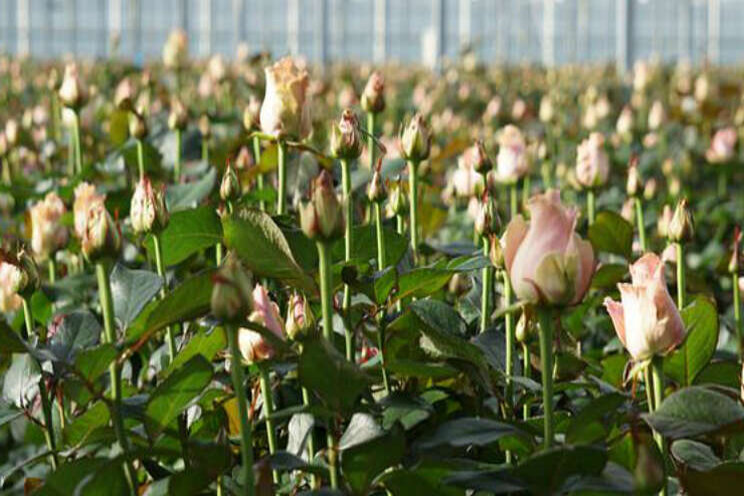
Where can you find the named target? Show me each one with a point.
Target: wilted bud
(459, 284)
(48, 234)
(415, 142)
(252, 114)
(101, 235)
(179, 116)
(373, 98)
(633, 184)
(124, 95)
(230, 186)
(148, 211)
(526, 331)
(376, 191)
(300, 318)
(232, 298)
(487, 221)
(496, 252)
(73, 93)
(398, 197)
(322, 218)
(137, 126)
(681, 227)
(205, 126)
(346, 139)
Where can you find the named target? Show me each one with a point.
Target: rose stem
(141, 159)
(486, 290)
(381, 265)
(413, 201)
(658, 380)
(681, 293)
(590, 206)
(348, 246)
(546, 364)
(282, 173)
(268, 411)
(177, 166)
(161, 272)
(641, 224)
(78, 149)
(259, 177)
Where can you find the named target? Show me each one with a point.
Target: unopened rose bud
(4, 145)
(459, 284)
(300, 318)
(322, 218)
(650, 189)
(633, 184)
(487, 220)
(205, 126)
(376, 191)
(48, 234)
(178, 118)
(398, 197)
(479, 158)
(101, 235)
(124, 95)
(526, 330)
(73, 93)
(496, 252)
(230, 185)
(244, 160)
(232, 293)
(18, 274)
(253, 345)
(662, 223)
(346, 139)
(137, 126)
(148, 211)
(592, 162)
(681, 227)
(252, 115)
(415, 141)
(373, 97)
(12, 132)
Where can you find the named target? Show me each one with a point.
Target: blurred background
(536, 31)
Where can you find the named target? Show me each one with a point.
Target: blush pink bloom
(592, 162)
(547, 261)
(253, 346)
(85, 198)
(47, 232)
(285, 111)
(465, 180)
(10, 277)
(646, 319)
(722, 146)
(512, 162)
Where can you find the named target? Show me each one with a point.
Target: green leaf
(188, 232)
(324, 370)
(264, 249)
(423, 478)
(701, 322)
(65, 480)
(468, 431)
(365, 245)
(694, 454)
(610, 233)
(546, 472)
(205, 344)
(695, 411)
(702, 473)
(10, 341)
(109, 480)
(591, 424)
(176, 392)
(91, 363)
(77, 331)
(21, 384)
(722, 373)
(188, 195)
(77, 432)
(608, 275)
(131, 290)
(188, 301)
(424, 281)
(363, 461)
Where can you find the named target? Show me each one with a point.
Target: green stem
(268, 411)
(371, 145)
(381, 265)
(161, 272)
(513, 200)
(509, 325)
(658, 381)
(52, 269)
(177, 166)
(78, 146)
(641, 224)
(107, 309)
(525, 189)
(141, 159)
(260, 177)
(310, 436)
(281, 202)
(737, 316)
(486, 291)
(205, 150)
(246, 445)
(413, 201)
(218, 254)
(649, 389)
(348, 247)
(7, 179)
(681, 279)
(545, 317)
(526, 371)
(590, 206)
(46, 406)
(70, 154)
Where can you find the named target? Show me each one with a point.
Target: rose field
(261, 276)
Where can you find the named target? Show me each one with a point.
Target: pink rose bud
(300, 318)
(101, 236)
(232, 293)
(376, 191)
(487, 221)
(230, 186)
(48, 234)
(646, 319)
(735, 262)
(722, 146)
(18, 274)
(592, 162)
(253, 345)
(137, 125)
(512, 162)
(205, 126)
(681, 227)
(216, 68)
(662, 223)
(148, 211)
(285, 111)
(466, 181)
(624, 125)
(12, 132)
(478, 157)
(346, 139)
(398, 197)
(10, 279)
(656, 116)
(124, 95)
(322, 218)
(496, 252)
(373, 98)
(85, 198)
(633, 184)
(415, 141)
(179, 116)
(73, 93)
(547, 261)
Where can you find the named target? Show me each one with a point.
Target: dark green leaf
(610, 233)
(701, 322)
(364, 460)
(10, 341)
(77, 331)
(468, 431)
(77, 432)
(188, 232)
(131, 290)
(206, 344)
(91, 363)
(188, 195)
(608, 275)
(21, 382)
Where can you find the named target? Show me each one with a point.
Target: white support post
(205, 28)
(321, 31)
(379, 54)
(582, 31)
(438, 23)
(684, 30)
(182, 14)
(238, 24)
(23, 28)
(623, 35)
(293, 27)
(465, 22)
(114, 26)
(714, 31)
(548, 33)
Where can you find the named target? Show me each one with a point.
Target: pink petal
(615, 309)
